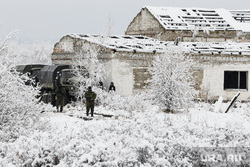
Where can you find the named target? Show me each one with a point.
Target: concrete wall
(210, 75)
(122, 76)
(213, 82)
(129, 71)
(119, 72)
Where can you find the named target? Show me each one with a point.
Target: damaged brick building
(217, 39)
(191, 24)
(221, 69)
(125, 58)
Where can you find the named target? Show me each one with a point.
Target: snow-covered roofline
(201, 19)
(146, 45)
(125, 42)
(228, 48)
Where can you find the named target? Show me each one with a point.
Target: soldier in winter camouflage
(90, 97)
(60, 94)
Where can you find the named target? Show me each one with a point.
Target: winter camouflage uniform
(90, 97)
(60, 94)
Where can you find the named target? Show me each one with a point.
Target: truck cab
(70, 79)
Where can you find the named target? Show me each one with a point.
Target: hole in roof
(83, 35)
(209, 11)
(114, 37)
(122, 47)
(137, 46)
(127, 37)
(165, 16)
(138, 37)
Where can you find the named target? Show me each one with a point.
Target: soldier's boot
(92, 111)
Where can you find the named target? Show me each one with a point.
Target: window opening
(235, 79)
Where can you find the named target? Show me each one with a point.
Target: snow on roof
(146, 44)
(125, 42)
(201, 19)
(241, 15)
(229, 48)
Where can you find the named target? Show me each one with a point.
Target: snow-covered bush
(18, 102)
(171, 84)
(114, 101)
(87, 60)
(146, 139)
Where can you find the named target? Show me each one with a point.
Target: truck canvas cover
(27, 68)
(49, 73)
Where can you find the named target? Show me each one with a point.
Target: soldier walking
(90, 97)
(60, 95)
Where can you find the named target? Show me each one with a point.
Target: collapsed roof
(125, 42)
(146, 44)
(229, 48)
(201, 19)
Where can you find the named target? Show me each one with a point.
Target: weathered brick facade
(127, 69)
(147, 25)
(209, 75)
(221, 70)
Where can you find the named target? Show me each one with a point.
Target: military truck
(49, 80)
(68, 78)
(64, 75)
(32, 70)
(51, 76)
(28, 68)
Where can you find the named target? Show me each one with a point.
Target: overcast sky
(49, 20)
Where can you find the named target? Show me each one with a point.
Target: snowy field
(145, 138)
(138, 134)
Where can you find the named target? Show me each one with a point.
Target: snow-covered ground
(145, 138)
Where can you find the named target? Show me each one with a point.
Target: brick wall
(146, 24)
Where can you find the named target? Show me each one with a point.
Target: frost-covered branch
(7, 38)
(18, 102)
(171, 84)
(88, 69)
